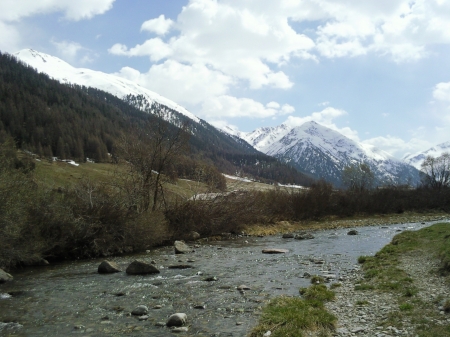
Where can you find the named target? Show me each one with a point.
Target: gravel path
(362, 313)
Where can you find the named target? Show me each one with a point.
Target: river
(73, 299)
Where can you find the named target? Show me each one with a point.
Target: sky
(376, 70)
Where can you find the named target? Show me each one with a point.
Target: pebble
(140, 310)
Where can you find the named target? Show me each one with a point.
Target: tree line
(70, 121)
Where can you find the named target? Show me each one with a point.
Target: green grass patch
(383, 272)
(293, 316)
(364, 286)
(316, 279)
(335, 285)
(364, 302)
(406, 307)
(410, 292)
(383, 268)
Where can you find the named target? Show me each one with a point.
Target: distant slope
(115, 85)
(324, 153)
(417, 159)
(54, 119)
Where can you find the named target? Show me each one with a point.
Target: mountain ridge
(417, 159)
(324, 153)
(38, 100)
(115, 85)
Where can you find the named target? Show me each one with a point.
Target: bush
(219, 214)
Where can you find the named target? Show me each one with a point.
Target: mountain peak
(115, 85)
(417, 159)
(324, 152)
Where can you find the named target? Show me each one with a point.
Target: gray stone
(160, 324)
(181, 247)
(180, 266)
(353, 232)
(180, 329)
(358, 329)
(288, 236)
(274, 251)
(178, 319)
(4, 276)
(107, 267)
(140, 310)
(304, 236)
(193, 236)
(143, 317)
(141, 268)
(243, 287)
(10, 326)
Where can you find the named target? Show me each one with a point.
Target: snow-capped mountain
(417, 159)
(115, 85)
(324, 153)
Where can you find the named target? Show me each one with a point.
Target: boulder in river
(140, 310)
(108, 267)
(178, 319)
(4, 276)
(353, 232)
(141, 268)
(181, 247)
(243, 287)
(274, 251)
(288, 236)
(304, 236)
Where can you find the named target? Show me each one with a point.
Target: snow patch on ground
(238, 178)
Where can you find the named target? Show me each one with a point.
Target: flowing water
(73, 299)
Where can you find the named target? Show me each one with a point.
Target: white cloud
(239, 42)
(13, 10)
(325, 117)
(184, 84)
(70, 51)
(397, 147)
(160, 25)
(155, 48)
(229, 106)
(441, 91)
(10, 38)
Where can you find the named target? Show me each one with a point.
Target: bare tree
(148, 151)
(436, 171)
(358, 177)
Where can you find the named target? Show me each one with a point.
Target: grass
(383, 268)
(363, 302)
(293, 316)
(383, 272)
(55, 174)
(364, 287)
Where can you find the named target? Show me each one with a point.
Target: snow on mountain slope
(115, 85)
(417, 159)
(324, 153)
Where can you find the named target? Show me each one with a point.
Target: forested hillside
(74, 122)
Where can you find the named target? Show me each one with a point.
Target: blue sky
(376, 70)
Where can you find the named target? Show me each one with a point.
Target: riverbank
(402, 291)
(332, 222)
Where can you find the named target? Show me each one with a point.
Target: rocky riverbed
(377, 314)
(221, 293)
